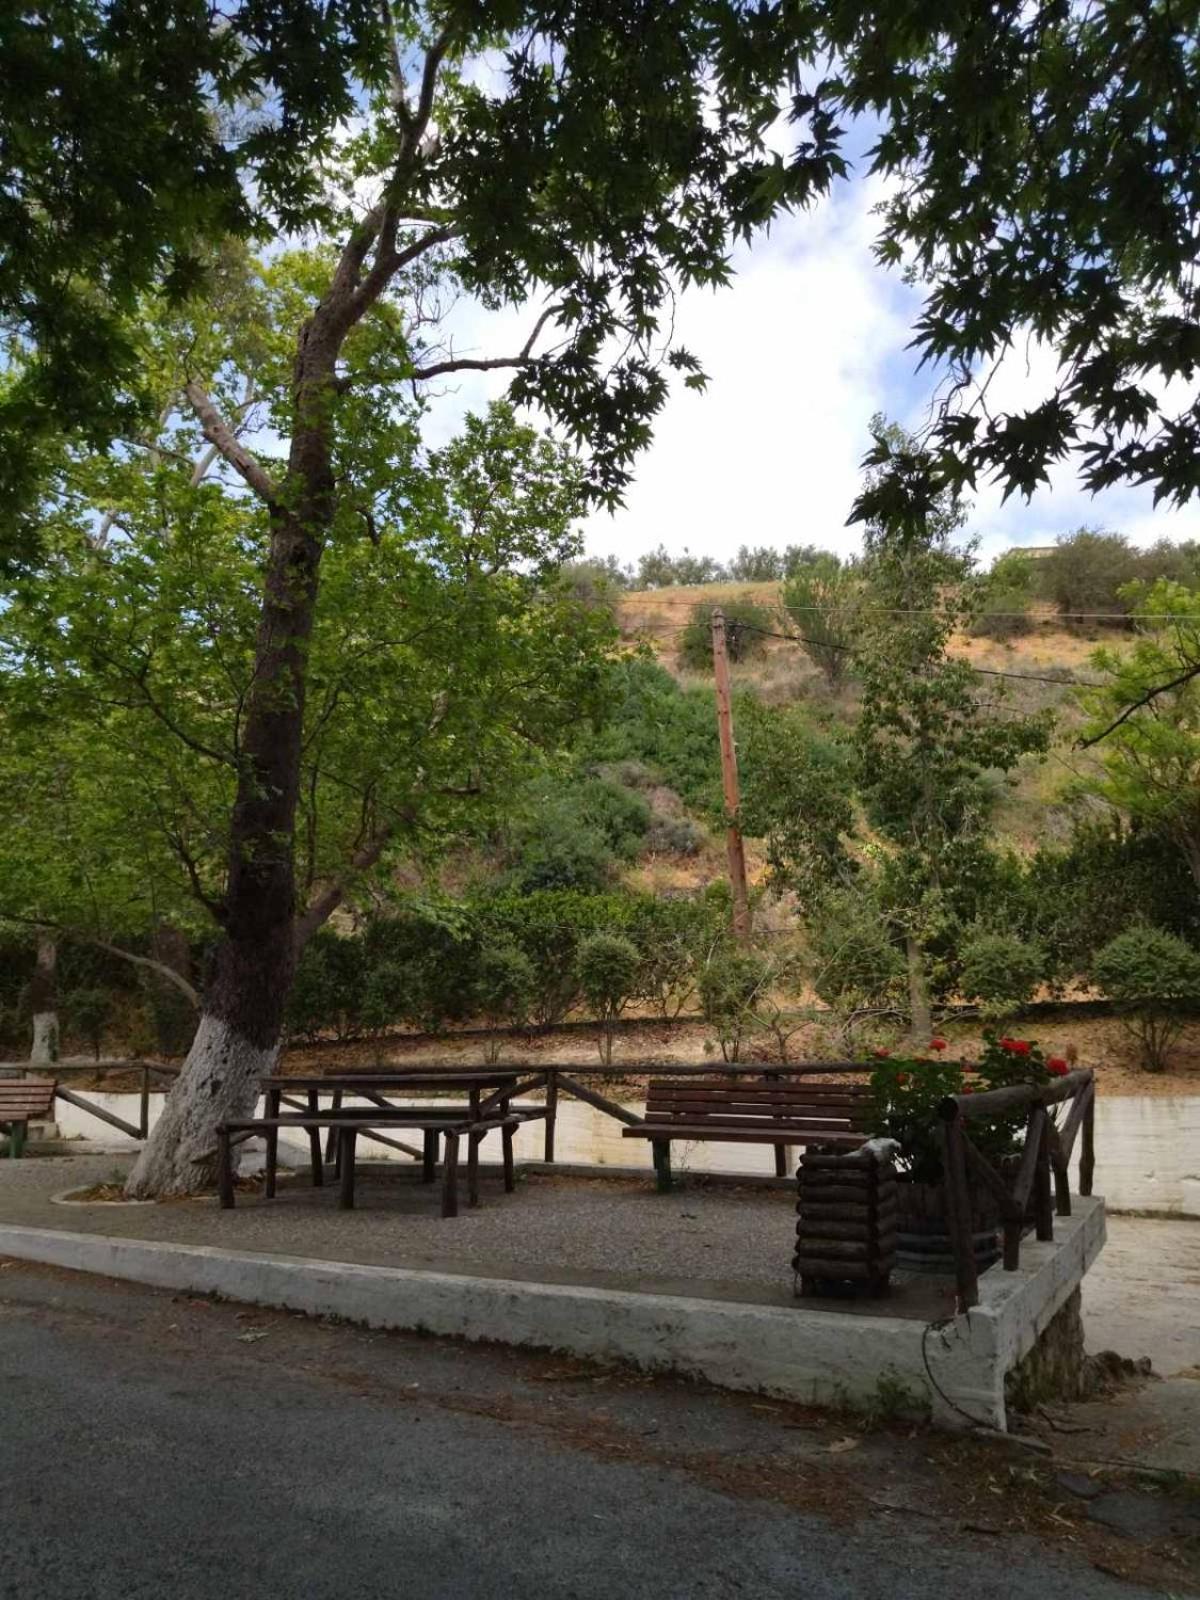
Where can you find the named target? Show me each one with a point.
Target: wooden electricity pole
(729, 781)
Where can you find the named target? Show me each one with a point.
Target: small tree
(729, 986)
(1154, 980)
(822, 600)
(1005, 597)
(1001, 972)
(608, 966)
(502, 989)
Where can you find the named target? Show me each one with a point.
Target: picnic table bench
(489, 1096)
(769, 1111)
(21, 1101)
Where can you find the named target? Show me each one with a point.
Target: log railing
(1042, 1177)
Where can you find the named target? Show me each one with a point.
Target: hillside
(1031, 812)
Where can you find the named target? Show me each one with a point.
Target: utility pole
(729, 781)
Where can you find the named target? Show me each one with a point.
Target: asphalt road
(152, 1447)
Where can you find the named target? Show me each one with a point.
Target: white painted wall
(1147, 1148)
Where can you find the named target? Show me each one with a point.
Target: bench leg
(314, 1157)
(16, 1140)
(510, 1182)
(429, 1160)
(450, 1177)
(224, 1169)
(347, 1138)
(331, 1138)
(780, 1160)
(272, 1161)
(661, 1150)
(473, 1168)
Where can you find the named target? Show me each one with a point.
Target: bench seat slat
(760, 1135)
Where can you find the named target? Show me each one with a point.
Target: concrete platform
(696, 1282)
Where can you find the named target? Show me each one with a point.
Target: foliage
(1073, 899)
(1089, 571)
(746, 626)
(1150, 759)
(1006, 592)
(652, 720)
(328, 992)
(609, 972)
(503, 984)
(1039, 167)
(855, 963)
(1001, 971)
(89, 1012)
(572, 834)
(822, 600)
(907, 1091)
(1154, 980)
(729, 985)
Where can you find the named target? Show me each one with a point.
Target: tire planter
(922, 1238)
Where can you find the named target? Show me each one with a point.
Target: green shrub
(1001, 971)
(327, 992)
(660, 725)
(1154, 980)
(609, 968)
(856, 964)
(729, 985)
(746, 626)
(503, 985)
(673, 836)
(822, 600)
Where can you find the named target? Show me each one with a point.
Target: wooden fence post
(958, 1214)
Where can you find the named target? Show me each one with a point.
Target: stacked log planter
(846, 1227)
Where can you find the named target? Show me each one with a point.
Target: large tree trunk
(43, 1003)
(238, 1036)
(920, 1013)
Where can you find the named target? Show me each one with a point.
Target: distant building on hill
(1035, 552)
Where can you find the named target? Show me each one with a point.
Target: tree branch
(488, 363)
(160, 967)
(325, 900)
(218, 432)
(1136, 705)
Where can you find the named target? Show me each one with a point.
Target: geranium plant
(908, 1089)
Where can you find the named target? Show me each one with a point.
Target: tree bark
(237, 1040)
(43, 1002)
(920, 1014)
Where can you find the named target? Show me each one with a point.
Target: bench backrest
(790, 1102)
(22, 1098)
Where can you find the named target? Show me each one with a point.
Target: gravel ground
(723, 1243)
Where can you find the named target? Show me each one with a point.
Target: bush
(327, 992)
(729, 985)
(673, 836)
(655, 722)
(571, 837)
(1154, 979)
(1001, 972)
(856, 964)
(502, 988)
(1086, 572)
(609, 968)
(745, 622)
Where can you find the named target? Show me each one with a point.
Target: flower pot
(923, 1237)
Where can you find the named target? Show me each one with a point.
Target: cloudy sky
(808, 342)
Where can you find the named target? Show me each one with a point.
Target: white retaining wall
(1147, 1147)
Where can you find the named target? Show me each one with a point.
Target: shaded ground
(718, 1242)
(213, 1451)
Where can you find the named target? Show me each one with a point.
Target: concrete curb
(953, 1370)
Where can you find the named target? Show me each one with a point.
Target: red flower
(1018, 1047)
(1057, 1067)
(937, 1044)
(902, 1077)
(881, 1055)
(967, 1088)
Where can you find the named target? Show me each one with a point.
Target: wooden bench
(777, 1112)
(21, 1101)
(436, 1122)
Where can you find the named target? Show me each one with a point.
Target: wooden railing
(55, 1069)
(1042, 1175)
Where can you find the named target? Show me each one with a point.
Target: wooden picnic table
(488, 1093)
